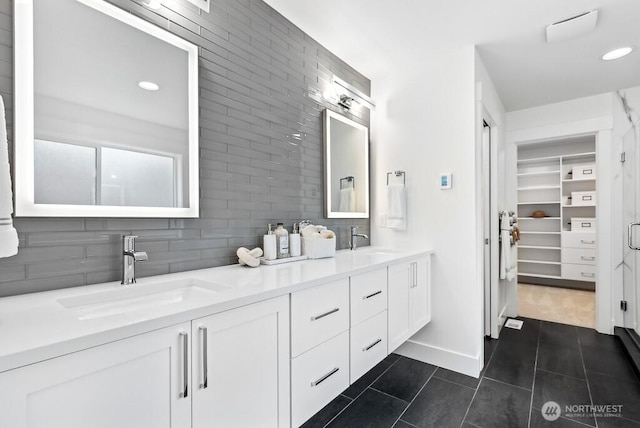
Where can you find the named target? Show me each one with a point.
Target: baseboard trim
(445, 358)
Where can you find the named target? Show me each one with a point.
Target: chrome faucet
(129, 258)
(354, 235)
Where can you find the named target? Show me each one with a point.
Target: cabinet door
(420, 295)
(135, 382)
(241, 367)
(399, 277)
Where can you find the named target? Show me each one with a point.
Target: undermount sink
(140, 297)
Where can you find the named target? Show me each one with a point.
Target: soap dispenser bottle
(269, 244)
(294, 241)
(282, 242)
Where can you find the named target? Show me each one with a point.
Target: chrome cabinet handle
(325, 377)
(184, 393)
(588, 274)
(371, 295)
(588, 259)
(366, 348)
(317, 317)
(584, 241)
(205, 356)
(630, 235)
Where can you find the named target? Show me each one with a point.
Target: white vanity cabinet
(136, 382)
(409, 299)
(319, 347)
(241, 367)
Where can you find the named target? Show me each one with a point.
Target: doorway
(557, 201)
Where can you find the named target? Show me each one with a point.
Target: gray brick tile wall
(260, 151)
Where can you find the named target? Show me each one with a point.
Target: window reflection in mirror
(346, 167)
(103, 142)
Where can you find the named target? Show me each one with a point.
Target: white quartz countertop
(39, 326)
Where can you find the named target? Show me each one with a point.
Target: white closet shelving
(546, 183)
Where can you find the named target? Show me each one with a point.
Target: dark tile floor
(526, 368)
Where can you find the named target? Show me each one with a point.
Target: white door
(420, 295)
(137, 382)
(399, 278)
(630, 219)
(241, 367)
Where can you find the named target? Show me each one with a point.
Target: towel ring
(349, 179)
(398, 174)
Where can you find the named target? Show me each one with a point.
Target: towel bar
(349, 179)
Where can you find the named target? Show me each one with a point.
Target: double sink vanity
(228, 346)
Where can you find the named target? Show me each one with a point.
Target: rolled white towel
(327, 234)
(8, 234)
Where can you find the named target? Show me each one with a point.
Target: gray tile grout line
(357, 396)
(482, 377)
(392, 396)
(584, 368)
(508, 384)
(533, 385)
(415, 396)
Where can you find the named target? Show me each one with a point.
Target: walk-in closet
(557, 217)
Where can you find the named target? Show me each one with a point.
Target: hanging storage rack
(398, 174)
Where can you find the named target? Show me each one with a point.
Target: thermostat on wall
(445, 181)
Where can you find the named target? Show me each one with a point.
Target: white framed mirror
(106, 114)
(346, 167)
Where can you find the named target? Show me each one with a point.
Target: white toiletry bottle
(282, 242)
(294, 241)
(269, 244)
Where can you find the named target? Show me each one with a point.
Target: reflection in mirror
(106, 113)
(346, 154)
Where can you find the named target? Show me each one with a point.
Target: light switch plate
(202, 4)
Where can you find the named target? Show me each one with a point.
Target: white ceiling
(374, 35)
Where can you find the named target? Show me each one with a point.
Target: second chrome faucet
(354, 235)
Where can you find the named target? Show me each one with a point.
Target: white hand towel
(396, 207)
(8, 234)
(347, 200)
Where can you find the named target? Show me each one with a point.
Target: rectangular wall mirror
(106, 113)
(346, 167)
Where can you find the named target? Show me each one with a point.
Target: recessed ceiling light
(149, 86)
(617, 53)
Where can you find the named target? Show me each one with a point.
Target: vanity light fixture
(149, 86)
(347, 94)
(617, 53)
(153, 4)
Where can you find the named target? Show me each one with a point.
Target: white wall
(580, 116)
(425, 124)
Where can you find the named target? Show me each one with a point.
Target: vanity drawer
(579, 240)
(368, 345)
(368, 295)
(318, 376)
(578, 256)
(579, 272)
(318, 314)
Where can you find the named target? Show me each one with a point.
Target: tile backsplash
(260, 151)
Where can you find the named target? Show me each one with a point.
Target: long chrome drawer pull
(584, 241)
(372, 345)
(184, 393)
(205, 356)
(588, 259)
(587, 274)
(325, 377)
(371, 295)
(317, 317)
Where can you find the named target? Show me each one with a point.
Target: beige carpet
(562, 305)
